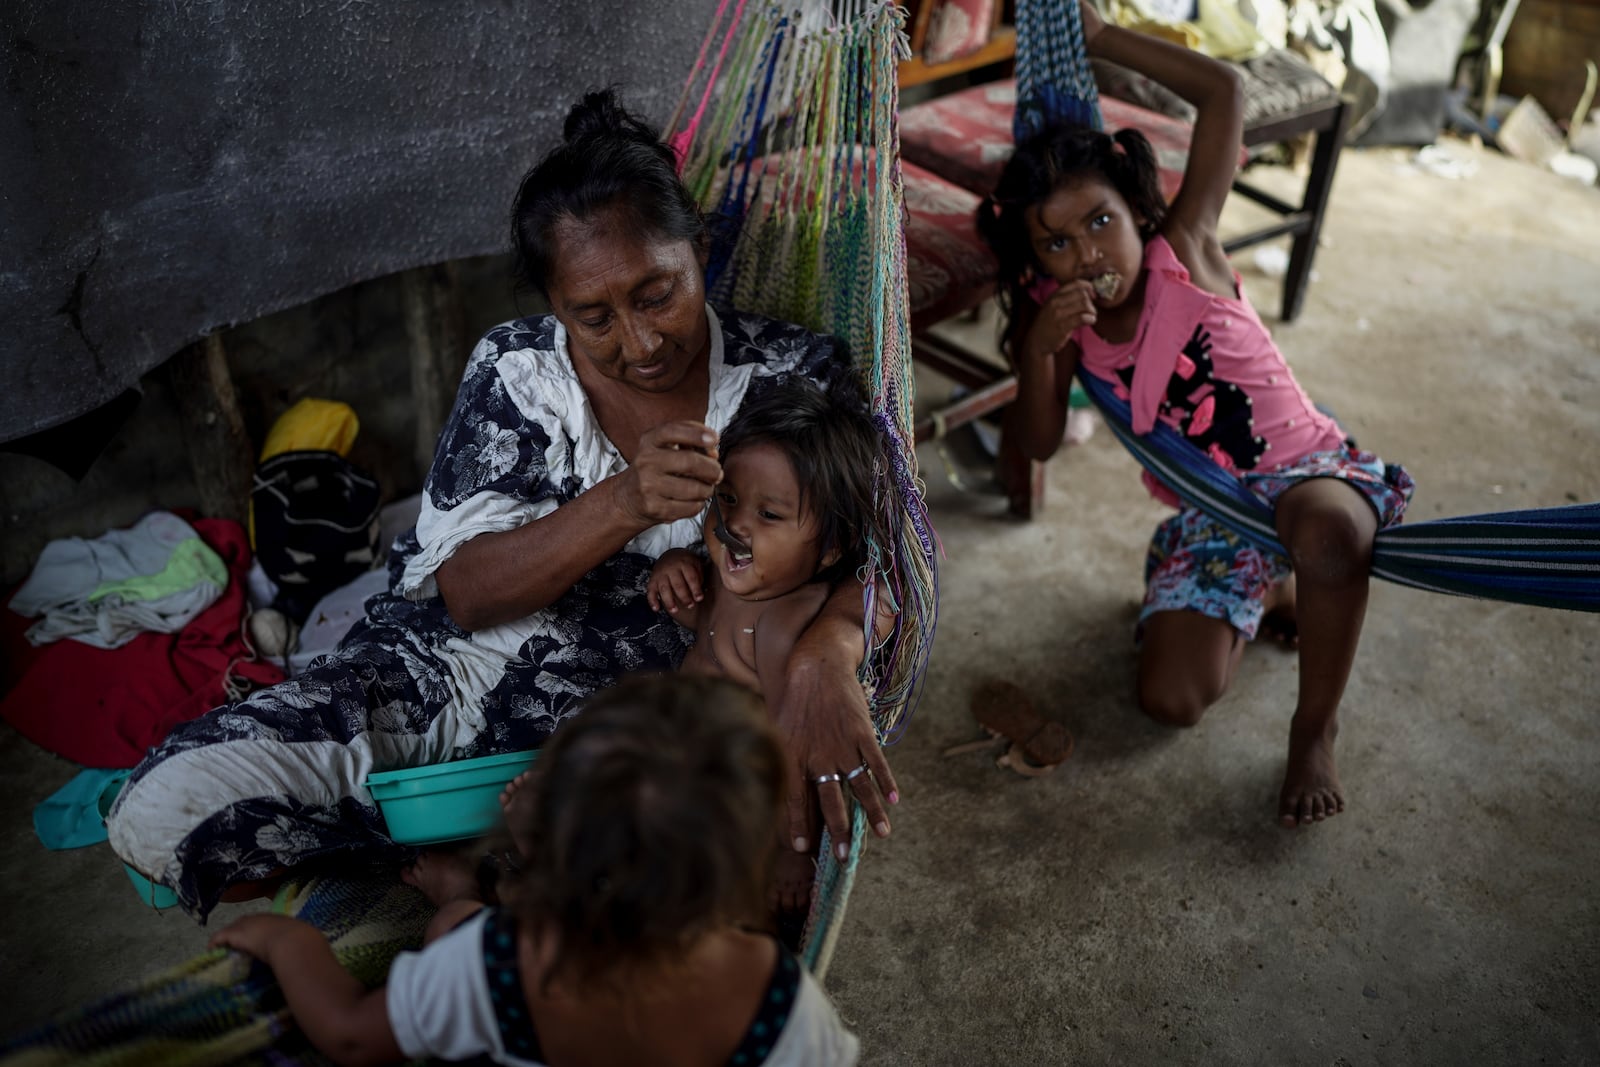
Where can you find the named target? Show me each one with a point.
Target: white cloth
(155, 576)
(439, 1006)
(546, 390)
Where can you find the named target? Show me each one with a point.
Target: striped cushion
(966, 136)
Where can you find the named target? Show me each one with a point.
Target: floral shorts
(1196, 564)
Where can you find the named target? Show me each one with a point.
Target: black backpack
(316, 525)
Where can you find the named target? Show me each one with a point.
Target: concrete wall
(350, 345)
(171, 168)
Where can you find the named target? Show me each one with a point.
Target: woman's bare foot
(792, 882)
(1278, 617)
(240, 892)
(443, 875)
(511, 807)
(1311, 790)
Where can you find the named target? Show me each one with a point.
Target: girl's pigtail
(1140, 179)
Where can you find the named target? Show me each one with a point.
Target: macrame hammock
(793, 151)
(1548, 557)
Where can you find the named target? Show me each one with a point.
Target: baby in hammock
(790, 520)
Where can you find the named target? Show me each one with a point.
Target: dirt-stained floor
(1140, 905)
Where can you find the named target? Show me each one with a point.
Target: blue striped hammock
(1549, 557)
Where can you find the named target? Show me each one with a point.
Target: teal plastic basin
(446, 801)
(156, 896)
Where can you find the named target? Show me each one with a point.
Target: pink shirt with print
(1206, 366)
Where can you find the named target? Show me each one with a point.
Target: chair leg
(1324, 158)
(1021, 478)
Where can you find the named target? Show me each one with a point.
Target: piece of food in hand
(1105, 285)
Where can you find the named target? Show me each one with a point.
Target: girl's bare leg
(1328, 528)
(1186, 663)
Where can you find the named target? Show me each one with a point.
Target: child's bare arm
(677, 586)
(1045, 358)
(347, 1022)
(1213, 88)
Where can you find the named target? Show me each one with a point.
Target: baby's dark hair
(651, 818)
(607, 159)
(834, 447)
(1056, 157)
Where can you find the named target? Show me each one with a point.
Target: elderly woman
(582, 446)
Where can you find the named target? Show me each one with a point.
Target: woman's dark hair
(651, 818)
(607, 159)
(1054, 158)
(834, 447)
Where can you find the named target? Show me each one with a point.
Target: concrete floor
(1140, 905)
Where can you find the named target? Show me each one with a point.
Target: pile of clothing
(112, 642)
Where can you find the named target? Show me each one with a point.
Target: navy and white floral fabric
(277, 780)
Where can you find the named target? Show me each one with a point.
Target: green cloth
(192, 562)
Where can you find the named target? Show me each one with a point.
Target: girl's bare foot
(511, 807)
(1311, 790)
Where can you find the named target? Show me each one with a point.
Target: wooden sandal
(1035, 745)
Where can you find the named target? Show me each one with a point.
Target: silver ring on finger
(858, 772)
(824, 779)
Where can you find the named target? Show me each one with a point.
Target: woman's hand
(672, 475)
(827, 729)
(675, 581)
(827, 732)
(1068, 308)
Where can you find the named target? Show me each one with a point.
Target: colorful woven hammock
(1549, 557)
(794, 153)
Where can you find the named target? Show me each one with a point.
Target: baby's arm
(677, 586)
(347, 1022)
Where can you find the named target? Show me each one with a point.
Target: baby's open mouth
(1105, 285)
(739, 553)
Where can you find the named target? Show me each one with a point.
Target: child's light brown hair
(651, 818)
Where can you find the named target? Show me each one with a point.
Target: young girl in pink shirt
(1100, 274)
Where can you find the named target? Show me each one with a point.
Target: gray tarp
(168, 168)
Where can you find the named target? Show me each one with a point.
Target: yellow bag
(312, 425)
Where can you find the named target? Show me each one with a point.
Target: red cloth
(106, 707)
